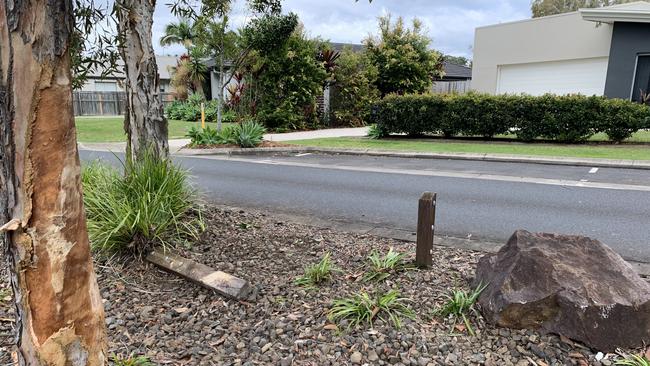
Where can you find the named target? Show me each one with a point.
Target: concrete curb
(594, 163)
(642, 268)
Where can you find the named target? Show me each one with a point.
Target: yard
(110, 129)
(628, 151)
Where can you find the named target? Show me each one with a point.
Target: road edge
(485, 246)
(595, 163)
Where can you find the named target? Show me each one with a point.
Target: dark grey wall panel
(628, 41)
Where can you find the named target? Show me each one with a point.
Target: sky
(450, 23)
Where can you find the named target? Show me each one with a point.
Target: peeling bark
(60, 316)
(144, 123)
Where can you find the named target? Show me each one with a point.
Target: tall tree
(542, 8)
(59, 313)
(144, 122)
(403, 58)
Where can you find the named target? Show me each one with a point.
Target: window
(642, 77)
(106, 86)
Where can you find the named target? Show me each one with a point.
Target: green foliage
(403, 58)
(288, 81)
(190, 110)
(458, 60)
(570, 118)
(382, 267)
(634, 360)
(131, 361)
(460, 304)
(542, 8)
(183, 33)
(353, 89)
(375, 132)
(269, 33)
(318, 273)
(150, 204)
(363, 309)
(248, 134)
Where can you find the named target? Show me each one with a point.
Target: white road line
(305, 154)
(443, 174)
(593, 171)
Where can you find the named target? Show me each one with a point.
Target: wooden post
(426, 224)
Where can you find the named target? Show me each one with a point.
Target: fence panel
(448, 87)
(92, 103)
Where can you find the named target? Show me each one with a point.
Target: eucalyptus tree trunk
(144, 122)
(59, 312)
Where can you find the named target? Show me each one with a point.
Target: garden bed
(172, 321)
(234, 146)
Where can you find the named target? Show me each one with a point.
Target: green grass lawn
(622, 151)
(110, 129)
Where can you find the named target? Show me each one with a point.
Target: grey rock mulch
(174, 322)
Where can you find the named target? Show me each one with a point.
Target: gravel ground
(174, 322)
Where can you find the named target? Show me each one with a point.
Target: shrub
(318, 273)
(149, 204)
(569, 118)
(375, 132)
(459, 304)
(353, 90)
(248, 134)
(362, 309)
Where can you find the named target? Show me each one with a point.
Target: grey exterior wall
(628, 41)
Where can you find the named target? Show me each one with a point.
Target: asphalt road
(483, 200)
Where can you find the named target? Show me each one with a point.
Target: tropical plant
(403, 58)
(183, 33)
(375, 132)
(329, 58)
(318, 273)
(249, 134)
(644, 96)
(459, 304)
(363, 309)
(149, 205)
(381, 267)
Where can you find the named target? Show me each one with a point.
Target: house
(602, 51)
(113, 82)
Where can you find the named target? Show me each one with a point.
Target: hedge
(570, 118)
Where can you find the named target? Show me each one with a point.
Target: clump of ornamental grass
(634, 360)
(318, 273)
(131, 361)
(460, 304)
(382, 267)
(152, 203)
(361, 308)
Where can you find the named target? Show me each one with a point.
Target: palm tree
(182, 32)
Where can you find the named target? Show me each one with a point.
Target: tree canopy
(403, 58)
(542, 8)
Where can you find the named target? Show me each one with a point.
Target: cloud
(450, 23)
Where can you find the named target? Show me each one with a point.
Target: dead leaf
(647, 353)
(566, 340)
(460, 327)
(181, 310)
(331, 327)
(577, 355)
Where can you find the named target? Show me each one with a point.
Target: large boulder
(569, 285)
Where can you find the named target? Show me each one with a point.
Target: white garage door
(586, 76)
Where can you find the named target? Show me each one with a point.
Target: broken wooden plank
(426, 224)
(221, 282)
